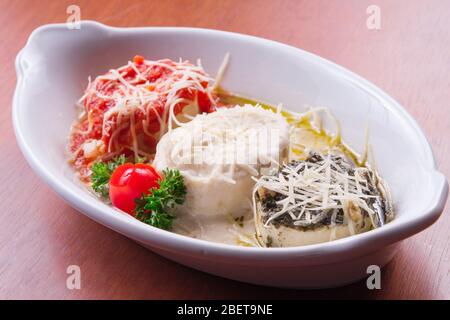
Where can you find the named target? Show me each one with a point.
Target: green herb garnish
(140, 159)
(101, 173)
(155, 208)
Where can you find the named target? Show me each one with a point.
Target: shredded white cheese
(141, 95)
(318, 188)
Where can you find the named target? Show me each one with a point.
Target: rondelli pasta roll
(128, 109)
(219, 185)
(320, 199)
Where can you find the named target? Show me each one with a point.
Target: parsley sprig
(101, 173)
(155, 208)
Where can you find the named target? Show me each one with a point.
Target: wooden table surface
(41, 235)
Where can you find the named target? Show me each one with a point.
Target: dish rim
(170, 241)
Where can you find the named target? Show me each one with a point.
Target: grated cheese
(316, 189)
(138, 94)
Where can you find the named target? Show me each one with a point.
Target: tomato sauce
(149, 83)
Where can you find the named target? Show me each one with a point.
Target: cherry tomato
(128, 182)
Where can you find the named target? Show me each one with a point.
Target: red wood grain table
(40, 235)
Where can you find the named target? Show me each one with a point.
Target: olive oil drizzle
(302, 121)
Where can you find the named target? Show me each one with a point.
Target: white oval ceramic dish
(52, 72)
